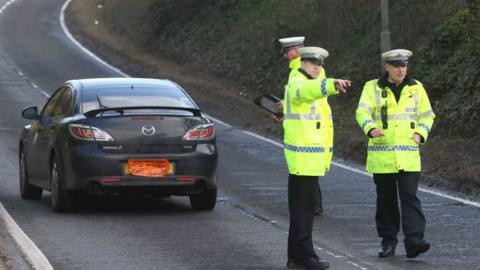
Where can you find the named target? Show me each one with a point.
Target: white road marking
(343, 166)
(91, 54)
(45, 94)
(32, 254)
(355, 170)
(347, 258)
(6, 5)
(85, 50)
(356, 265)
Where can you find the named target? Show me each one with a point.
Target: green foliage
(237, 39)
(450, 65)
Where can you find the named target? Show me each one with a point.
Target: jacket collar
(383, 81)
(305, 74)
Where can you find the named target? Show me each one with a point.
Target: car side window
(49, 107)
(64, 106)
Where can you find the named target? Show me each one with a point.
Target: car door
(40, 137)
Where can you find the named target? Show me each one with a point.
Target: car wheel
(27, 191)
(60, 199)
(205, 200)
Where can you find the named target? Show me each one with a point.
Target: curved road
(247, 229)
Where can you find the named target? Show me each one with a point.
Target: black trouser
(318, 200)
(389, 186)
(301, 203)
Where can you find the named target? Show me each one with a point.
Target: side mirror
(30, 113)
(269, 103)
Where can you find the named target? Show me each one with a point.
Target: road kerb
(31, 253)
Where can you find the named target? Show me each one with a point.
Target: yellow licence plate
(149, 167)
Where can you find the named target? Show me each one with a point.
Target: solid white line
(349, 168)
(85, 50)
(32, 254)
(343, 166)
(219, 121)
(6, 5)
(451, 197)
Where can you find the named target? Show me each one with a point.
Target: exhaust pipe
(200, 186)
(95, 188)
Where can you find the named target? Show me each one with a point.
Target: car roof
(98, 83)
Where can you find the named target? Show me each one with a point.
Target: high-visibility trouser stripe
(366, 122)
(304, 149)
(408, 148)
(298, 116)
(331, 149)
(422, 125)
(397, 117)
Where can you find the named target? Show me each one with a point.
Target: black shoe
(315, 264)
(416, 248)
(294, 264)
(387, 250)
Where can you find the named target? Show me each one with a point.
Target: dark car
(118, 135)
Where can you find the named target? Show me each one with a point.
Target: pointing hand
(342, 85)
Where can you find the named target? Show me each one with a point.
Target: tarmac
(12, 254)
(17, 250)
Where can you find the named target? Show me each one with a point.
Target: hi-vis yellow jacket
(395, 151)
(307, 124)
(295, 64)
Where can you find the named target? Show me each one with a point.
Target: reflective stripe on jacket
(323, 106)
(307, 124)
(412, 114)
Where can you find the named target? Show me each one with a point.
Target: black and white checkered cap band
(311, 56)
(397, 60)
(397, 57)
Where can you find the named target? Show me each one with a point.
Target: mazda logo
(148, 130)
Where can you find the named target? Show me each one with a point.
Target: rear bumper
(142, 185)
(92, 170)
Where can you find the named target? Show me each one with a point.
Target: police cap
(315, 55)
(398, 57)
(288, 42)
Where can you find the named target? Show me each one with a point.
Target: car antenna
(100, 103)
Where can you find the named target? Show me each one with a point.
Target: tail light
(201, 133)
(89, 133)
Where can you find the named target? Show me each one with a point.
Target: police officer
(305, 142)
(289, 50)
(395, 112)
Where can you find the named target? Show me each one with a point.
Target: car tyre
(205, 200)
(61, 200)
(27, 191)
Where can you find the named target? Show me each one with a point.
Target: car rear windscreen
(120, 97)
